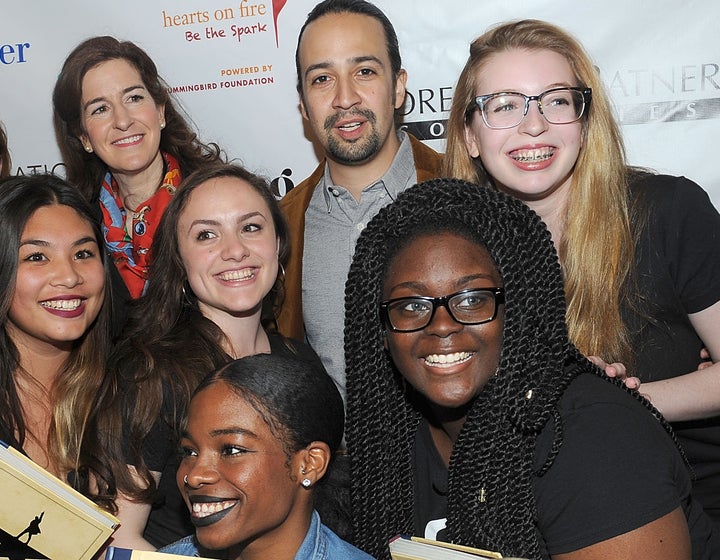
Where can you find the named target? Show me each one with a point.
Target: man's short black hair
(352, 7)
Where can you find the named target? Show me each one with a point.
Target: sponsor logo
(277, 6)
(34, 169)
(425, 112)
(15, 53)
(226, 84)
(244, 21)
(283, 184)
(668, 111)
(677, 93)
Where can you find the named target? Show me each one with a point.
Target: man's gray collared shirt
(333, 223)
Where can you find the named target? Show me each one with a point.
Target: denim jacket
(320, 543)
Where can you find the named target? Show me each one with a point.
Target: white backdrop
(231, 64)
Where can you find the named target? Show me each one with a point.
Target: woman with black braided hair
(473, 419)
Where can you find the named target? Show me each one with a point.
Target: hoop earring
(186, 297)
(281, 275)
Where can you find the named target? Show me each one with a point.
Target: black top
(118, 290)
(678, 273)
(617, 469)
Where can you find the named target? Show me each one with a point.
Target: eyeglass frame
(479, 104)
(442, 301)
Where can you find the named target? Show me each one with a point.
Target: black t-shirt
(678, 273)
(430, 486)
(169, 518)
(617, 469)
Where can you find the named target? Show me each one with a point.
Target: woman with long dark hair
(473, 416)
(219, 252)
(54, 328)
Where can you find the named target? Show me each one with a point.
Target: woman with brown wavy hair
(126, 145)
(219, 252)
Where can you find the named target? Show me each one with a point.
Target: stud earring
(162, 125)
(88, 148)
(306, 482)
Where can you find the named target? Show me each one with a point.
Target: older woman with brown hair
(126, 146)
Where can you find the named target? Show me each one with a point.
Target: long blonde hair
(596, 248)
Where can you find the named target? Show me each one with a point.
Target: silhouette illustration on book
(32, 529)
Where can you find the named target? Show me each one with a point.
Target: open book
(403, 547)
(39, 512)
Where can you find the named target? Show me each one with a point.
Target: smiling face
(60, 281)
(241, 490)
(449, 363)
(228, 245)
(121, 121)
(534, 160)
(349, 93)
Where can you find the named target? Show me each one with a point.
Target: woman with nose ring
(258, 441)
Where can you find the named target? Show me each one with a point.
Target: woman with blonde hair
(639, 251)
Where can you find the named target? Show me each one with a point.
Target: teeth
(350, 126)
(205, 509)
(444, 359)
(129, 140)
(533, 155)
(64, 304)
(244, 274)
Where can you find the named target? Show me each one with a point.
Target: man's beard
(353, 152)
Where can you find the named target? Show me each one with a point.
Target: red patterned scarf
(131, 252)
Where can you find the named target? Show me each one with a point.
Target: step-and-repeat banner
(230, 64)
